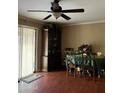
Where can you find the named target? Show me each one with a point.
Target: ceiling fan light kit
(57, 14)
(57, 11)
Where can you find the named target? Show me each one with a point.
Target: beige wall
(29, 22)
(75, 35)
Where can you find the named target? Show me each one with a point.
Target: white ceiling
(94, 10)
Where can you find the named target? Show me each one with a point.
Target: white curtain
(20, 51)
(26, 51)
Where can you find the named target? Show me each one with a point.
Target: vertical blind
(26, 51)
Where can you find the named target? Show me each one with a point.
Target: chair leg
(80, 73)
(74, 73)
(67, 72)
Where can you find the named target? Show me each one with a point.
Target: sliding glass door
(26, 51)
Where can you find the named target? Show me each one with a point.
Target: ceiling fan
(57, 11)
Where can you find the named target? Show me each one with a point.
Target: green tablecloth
(97, 62)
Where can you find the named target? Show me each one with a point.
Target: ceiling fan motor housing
(55, 7)
(56, 1)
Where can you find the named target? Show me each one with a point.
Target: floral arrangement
(85, 48)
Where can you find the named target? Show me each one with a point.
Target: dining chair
(70, 65)
(88, 66)
(78, 62)
(100, 66)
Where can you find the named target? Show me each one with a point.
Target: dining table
(94, 61)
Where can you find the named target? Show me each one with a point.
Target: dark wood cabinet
(54, 47)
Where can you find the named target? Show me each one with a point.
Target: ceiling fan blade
(65, 17)
(72, 10)
(38, 11)
(47, 17)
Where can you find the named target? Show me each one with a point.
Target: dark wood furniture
(54, 47)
